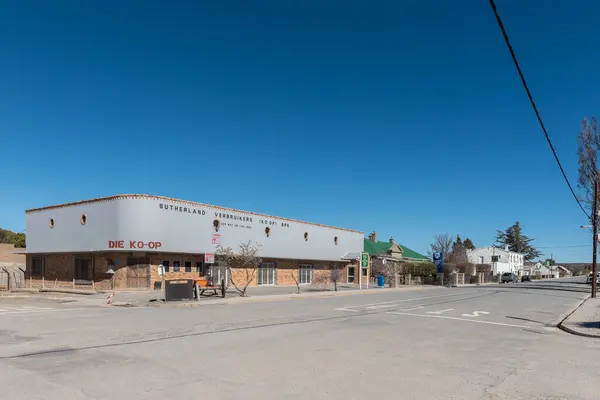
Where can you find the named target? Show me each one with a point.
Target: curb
(577, 333)
(286, 297)
(557, 322)
(573, 331)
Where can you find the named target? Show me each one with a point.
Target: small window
(199, 268)
(267, 231)
(187, 266)
(166, 264)
(335, 240)
(495, 258)
(83, 219)
(306, 236)
(364, 271)
(51, 223)
(176, 266)
(216, 225)
(37, 267)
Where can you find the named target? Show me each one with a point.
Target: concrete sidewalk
(156, 298)
(585, 320)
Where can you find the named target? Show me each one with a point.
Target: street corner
(585, 320)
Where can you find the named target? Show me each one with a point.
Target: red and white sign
(209, 258)
(216, 238)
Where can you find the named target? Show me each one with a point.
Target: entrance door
(138, 273)
(266, 274)
(350, 274)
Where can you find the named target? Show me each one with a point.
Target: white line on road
(405, 300)
(40, 311)
(411, 308)
(344, 309)
(458, 319)
(441, 311)
(381, 306)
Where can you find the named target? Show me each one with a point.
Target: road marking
(457, 319)
(441, 311)
(381, 306)
(475, 314)
(402, 309)
(405, 300)
(412, 308)
(40, 311)
(24, 308)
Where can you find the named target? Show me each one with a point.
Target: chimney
(374, 236)
(391, 239)
(371, 236)
(506, 247)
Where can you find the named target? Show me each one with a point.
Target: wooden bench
(203, 285)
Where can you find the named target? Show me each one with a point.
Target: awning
(351, 257)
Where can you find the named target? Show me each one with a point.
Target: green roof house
(391, 250)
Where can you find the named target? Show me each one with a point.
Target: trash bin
(179, 289)
(380, 281)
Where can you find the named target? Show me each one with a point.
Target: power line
(535, 109)
(563, 247)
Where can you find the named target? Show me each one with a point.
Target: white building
(500, 260)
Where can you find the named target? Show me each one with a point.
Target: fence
(11, 278)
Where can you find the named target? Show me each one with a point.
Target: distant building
(501, 260)
(540, 270)
(563, 272)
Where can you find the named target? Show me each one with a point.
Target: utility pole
(594, 245)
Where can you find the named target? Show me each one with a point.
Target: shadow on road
(578, 288)
(589, 324)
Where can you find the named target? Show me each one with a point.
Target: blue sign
(438, 259)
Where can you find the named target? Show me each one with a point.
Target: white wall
(179, 227)
(508, 261)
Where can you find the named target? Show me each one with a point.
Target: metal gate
(138, 273)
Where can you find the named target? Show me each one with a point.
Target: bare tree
(295, 279)
(335, 275)
(245, 259)
(588, 148)
(442, 243)
(391, 269)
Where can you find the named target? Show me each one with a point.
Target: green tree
(459, 252)
(550, 261)
(516, 241)
(469, 244)
(18, 239)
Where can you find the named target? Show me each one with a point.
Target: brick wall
(158, 259)
(59, 270)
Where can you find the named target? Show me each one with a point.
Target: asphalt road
(443, 343)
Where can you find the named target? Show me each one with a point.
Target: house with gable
(389, 253)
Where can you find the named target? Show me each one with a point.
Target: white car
(589, 278)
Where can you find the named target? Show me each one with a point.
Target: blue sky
(404, 117)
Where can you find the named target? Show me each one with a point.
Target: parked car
(590, 277)
(526, 278)
(508, 277)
